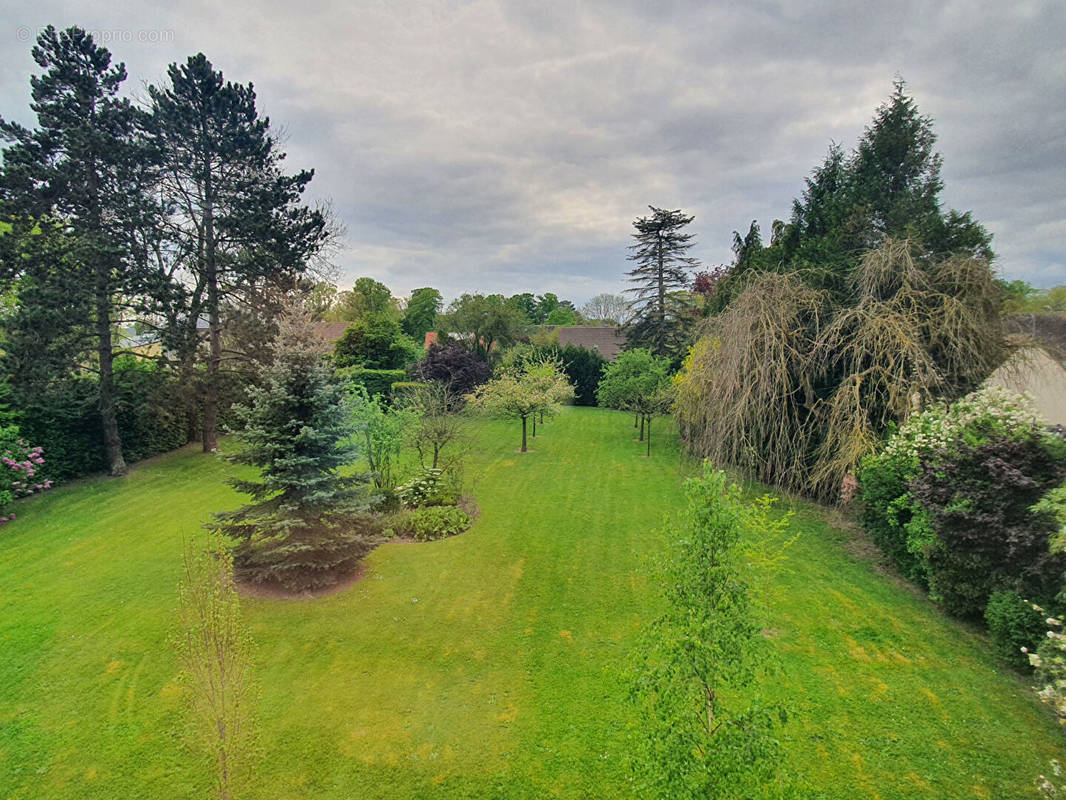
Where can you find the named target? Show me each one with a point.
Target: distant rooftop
(608, 342)
(330, 332)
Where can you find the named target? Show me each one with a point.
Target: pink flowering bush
(21, 468)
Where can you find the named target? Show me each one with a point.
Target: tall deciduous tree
(607, 309)
(237, 220)
(367, 296)
(659, 278)
(84, 171)
(485, 321)
(420, 316)
(375, 341)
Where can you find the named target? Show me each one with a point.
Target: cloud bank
(492, 146)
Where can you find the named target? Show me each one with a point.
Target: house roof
(330, 332)
(1045, 330)
(1032, 370)
(608, 342)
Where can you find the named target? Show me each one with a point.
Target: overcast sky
(492, 146)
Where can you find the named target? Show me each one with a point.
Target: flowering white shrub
(991, 409)
(1050, 663)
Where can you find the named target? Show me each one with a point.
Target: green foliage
(438, 425)
(420, 316)
(367, 297)
(660, 281)
(636, 382)
(583, 367)
(86, 167)
(236, 227)
(432, 523)
(215, 653)
(382, 428)
(401, 389)
(888, 510)
(1015, 626)
(1052, 506)
(563, 315)
(485, 321)
(695, 738)
(63, 417)
(887, 187)
(375, 381)
(1028, 299)
(421, 488)
(533, 387)
(375, 341)
(303, 528)
(953, 497)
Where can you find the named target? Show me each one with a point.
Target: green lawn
(481, 666)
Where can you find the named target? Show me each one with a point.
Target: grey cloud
(496, 146)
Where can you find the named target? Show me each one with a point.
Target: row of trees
(485, 320)
(869, 300)
(169, 217)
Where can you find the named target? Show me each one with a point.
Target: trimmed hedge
(375, 381)
(64, 419)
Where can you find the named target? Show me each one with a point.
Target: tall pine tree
(236, 220)
(659, 278)
(888, 187)
(78, 182)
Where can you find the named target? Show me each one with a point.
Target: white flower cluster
(941, 424)
(1050, 664)
(1046, 786)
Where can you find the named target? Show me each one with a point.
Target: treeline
(846, 360)
(145, 248)
(148, 249)
(869, 301)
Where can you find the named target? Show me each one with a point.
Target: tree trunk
(641, 439)
(534, 425)
(636, 417)
(649, 437)
(523, 434)
(192, 416)
(436, 454)
(116, 464)
(661, 308)
(211, 387)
